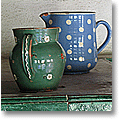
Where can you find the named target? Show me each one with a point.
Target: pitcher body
(37, 61)
(77, 35)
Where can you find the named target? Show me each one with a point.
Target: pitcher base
(25, 91)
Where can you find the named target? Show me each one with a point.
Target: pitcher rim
(67, 13)
(34, 28)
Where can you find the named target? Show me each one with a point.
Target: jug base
(35, 91)
(75, 73)
(22, 91)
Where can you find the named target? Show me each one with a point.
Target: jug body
(37, 61)
(77, 35)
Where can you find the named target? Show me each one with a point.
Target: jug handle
(27, 56)
(109, 32)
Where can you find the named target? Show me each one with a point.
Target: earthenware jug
(37, 61)
(77, 35)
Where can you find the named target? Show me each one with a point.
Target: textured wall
(25, 13)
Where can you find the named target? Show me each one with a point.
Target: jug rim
(34, 28)
(67, 13)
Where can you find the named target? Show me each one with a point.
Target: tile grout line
(67, 102)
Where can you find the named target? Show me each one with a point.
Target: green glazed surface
(58, 103)
(37, 61)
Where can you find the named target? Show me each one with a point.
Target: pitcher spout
(45, 17)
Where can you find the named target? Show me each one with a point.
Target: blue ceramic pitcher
(77, 35)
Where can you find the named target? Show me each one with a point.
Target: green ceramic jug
(37, 61)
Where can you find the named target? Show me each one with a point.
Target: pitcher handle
(109, 32)
(27, 56)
